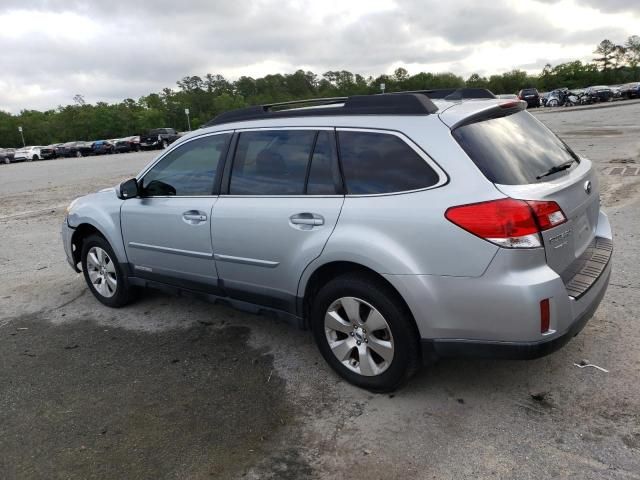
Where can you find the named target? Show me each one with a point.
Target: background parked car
(6, 155)
(599, 93)
(102, 147)
(158, 138)
(48, 153)
(28, 154)
(630, 90)
(75, 149)
(531, 96)
(128, 144)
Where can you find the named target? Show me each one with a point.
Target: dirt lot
(177, 388)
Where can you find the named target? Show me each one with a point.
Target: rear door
(167, 230)
(518, 154)
(282, 201)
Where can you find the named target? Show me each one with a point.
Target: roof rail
(412, 103)
(454, 93)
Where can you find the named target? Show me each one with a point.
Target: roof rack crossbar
(314, 101)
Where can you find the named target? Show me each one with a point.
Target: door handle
(308, 219)
(194, 216)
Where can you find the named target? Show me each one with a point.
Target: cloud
(109, 50)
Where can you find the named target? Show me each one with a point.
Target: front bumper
(67, 236)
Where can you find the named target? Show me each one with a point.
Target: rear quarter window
(376, 162)
(513, 150)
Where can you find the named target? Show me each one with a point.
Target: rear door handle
(194, 216)
(309, 219)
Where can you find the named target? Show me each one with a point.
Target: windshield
(513, 150)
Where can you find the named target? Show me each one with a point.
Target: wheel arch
(82, 232)
(311, 283)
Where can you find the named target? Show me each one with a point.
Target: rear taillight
(508, 222)
(548, 214)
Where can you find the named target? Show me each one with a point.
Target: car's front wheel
(103, 274)
(365, 332)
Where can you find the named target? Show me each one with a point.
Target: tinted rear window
(513, 150)
(382, 163)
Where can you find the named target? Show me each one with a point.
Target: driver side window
(189, 170)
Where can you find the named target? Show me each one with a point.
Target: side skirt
(241, 305)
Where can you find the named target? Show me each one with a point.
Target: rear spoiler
(498, 110)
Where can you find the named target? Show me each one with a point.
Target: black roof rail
(412, 103)
(454, 93)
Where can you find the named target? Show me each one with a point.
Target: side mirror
(129, 189)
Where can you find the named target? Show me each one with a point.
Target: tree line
(210, 95)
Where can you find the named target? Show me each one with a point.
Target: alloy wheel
(102, 272)
(359, 336)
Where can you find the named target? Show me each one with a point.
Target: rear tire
(102, 272)
(365, 332)
(165, 144)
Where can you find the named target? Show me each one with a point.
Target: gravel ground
(177, 388)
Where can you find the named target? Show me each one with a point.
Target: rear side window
(271, 162)
(513, 150)
(374, 162)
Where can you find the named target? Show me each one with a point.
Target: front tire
(103, 274)
(365, 332)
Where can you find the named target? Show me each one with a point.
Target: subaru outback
(399, 228)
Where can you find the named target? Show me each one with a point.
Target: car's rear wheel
(103, 274)
(365, 332)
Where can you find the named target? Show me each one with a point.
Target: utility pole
(186, 112)
(22, 136)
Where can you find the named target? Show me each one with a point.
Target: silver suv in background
(400, 228)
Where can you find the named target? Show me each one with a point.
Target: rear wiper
(556, 169)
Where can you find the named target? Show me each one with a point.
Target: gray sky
(51, 50)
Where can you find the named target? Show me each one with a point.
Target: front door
(167, 230)
(283, 201)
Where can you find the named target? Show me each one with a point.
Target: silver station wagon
(400, 228)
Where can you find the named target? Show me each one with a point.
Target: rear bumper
(432, 349)
(497, 315)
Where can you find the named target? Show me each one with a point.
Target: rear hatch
(526, 161)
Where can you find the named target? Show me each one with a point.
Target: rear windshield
(513, 150)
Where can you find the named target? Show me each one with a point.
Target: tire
(7, 160)
(165, 144)
(104, 277)
(552, 103)
(78, 154)
(351, 335)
